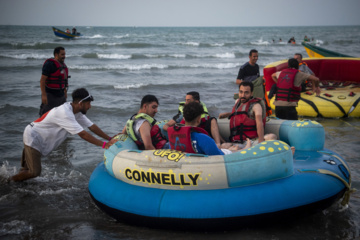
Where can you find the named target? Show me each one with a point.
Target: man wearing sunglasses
(52, 128)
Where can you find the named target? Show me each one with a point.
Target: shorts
(53, 101)
(287, 113)
(31, 160)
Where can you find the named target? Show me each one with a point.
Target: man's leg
(215, 132)
(30, 165)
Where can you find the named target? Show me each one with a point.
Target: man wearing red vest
(54, 81)
(288, 82)
(247, 118)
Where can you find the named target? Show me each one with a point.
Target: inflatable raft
(169, 189)
(340, 87)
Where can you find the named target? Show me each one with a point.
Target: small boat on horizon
(63, 34)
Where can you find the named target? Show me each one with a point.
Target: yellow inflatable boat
(340, 87)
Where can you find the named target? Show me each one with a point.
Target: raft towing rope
(349, 190)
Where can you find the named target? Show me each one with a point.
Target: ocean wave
(29, 45)
(120, 67)
(154, 66)
(130, 86)
(94, 36)
(122, 36)
(260, 42)
(113, 56)
(198, 44)
(25, 56)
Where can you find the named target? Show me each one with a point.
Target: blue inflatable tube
(307, 182)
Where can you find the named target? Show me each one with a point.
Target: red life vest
(286, 91)
(157, 139)
(180, 137)
(242, 125)
(59, 78)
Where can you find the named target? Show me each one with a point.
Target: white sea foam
(136, 85)
(58, 192)
(96, 36)
(120, 67)
(195, 44)
(113, 56)
(215, 65)
(122, 36)
(106, 44)
(260, 42)
(25, 56)
(15, 227)
(225, 55)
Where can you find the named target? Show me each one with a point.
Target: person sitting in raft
(192, 139)
(142, 127)
(74, 32)
(288, 82)
(247, 118)
(209, 124)
(67, 30)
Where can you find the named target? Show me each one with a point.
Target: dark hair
(247, 84)
(58, 49)
(293, 63)
(192, 111)
(195, 95)
(252, 51)
(148, 99)
(299, 54)
(81, 94)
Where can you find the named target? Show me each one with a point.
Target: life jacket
(157, 139)
(204, 117)
(59, 78)
(180, 137)
(242, 122)
(286, 91)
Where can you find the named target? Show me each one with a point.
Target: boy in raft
(207, 123)
(193, 139)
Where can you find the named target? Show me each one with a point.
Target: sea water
(118, 66)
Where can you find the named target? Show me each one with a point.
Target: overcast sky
(180, 12)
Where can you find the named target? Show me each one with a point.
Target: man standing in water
(54, 81)
(250, 70)
(49, 131)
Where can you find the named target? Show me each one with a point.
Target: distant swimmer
(292, 40)
(306, 39)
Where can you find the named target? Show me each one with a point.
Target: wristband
(104, 145)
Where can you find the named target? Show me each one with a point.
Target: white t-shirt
(137, 124)
(48, 132)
